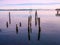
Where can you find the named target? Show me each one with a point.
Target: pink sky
(14, 4)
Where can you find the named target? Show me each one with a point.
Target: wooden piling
(7, 24)
(16, 29)
(9, 18)
(36, 18)
(39, 29)
(38, 22)
(29, 23)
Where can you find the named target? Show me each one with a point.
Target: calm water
(49, 33)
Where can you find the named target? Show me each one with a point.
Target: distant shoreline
(23, 9)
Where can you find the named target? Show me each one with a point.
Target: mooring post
(7, 24)
(16, 29)
(9, 18)
(39, 29)
(36, 18)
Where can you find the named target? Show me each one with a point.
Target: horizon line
(31, 4)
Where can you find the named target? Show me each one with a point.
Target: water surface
(49, 33)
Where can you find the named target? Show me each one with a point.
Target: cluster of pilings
(7, 24)
(17, 27)
(37, 21)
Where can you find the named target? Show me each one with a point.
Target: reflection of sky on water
(50, 29)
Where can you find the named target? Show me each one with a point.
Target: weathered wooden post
(35, 17)
(16, 29)
(38, 22)
(9, 18)
(39, 29)
(30, 23)
(7, 24)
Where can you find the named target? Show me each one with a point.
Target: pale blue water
(49, 34)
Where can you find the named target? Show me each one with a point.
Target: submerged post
(38, 22)
(38, 28)
(16, 29)
(7, 24)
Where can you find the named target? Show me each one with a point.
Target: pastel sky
(45, 4)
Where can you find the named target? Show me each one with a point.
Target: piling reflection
(16, 29)
(29, 26)
(28, 33)
(36, 18)
(39, 29)
(7, 24)
(9, 18)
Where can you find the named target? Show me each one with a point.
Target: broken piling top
(36, 13)
(9, 13)
(30, 18)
